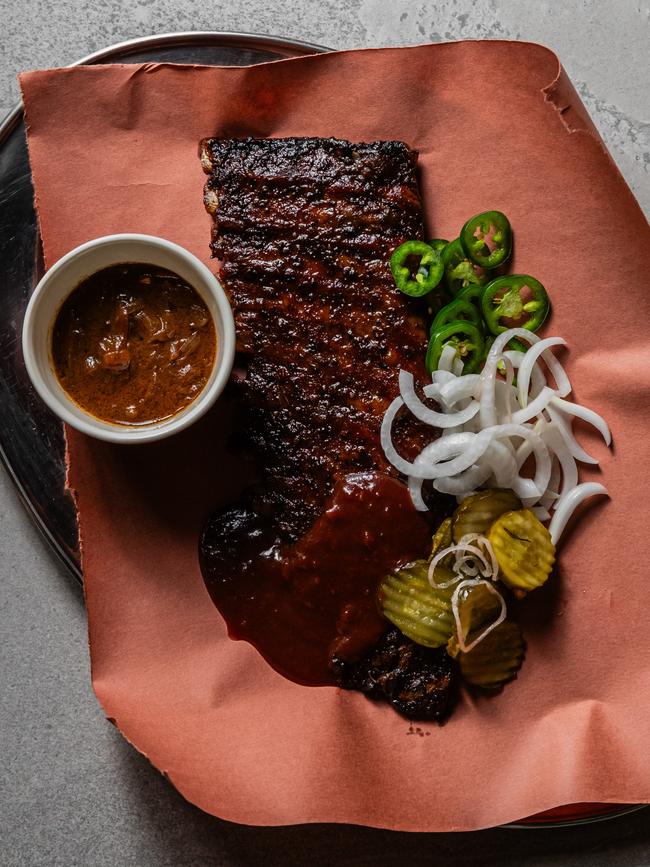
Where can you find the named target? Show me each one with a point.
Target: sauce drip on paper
(299, 604)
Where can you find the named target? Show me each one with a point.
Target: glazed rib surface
(304, 228)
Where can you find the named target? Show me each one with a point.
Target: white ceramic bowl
(80, 263)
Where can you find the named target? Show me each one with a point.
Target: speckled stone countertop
(72, 792)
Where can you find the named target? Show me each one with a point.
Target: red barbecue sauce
(300, 604)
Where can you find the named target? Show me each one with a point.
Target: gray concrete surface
(603, 44)
(71, 791)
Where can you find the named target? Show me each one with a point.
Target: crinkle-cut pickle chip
(442, 539)
(478, 512)
(477, 607)
(496, 659)
(523, 549)
(421, 612)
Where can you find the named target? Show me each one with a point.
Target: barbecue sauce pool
(299, 604)
(133, 344)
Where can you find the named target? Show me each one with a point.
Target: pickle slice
(442, 539)
(495, 660)
(421, 612)
(477, 513)
(477, 607)
(523, 548)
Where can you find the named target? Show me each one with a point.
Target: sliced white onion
(466, 565)
(525, 450)
(503, 339)
(501, 462)
(526, 490)
(515, 356)
(447, 357)
(463, 483)
(386, 438)
(471, 562)
(568, 503)
(448, 456)
(572, 443)
(522, 454)
(415, 490)
(430, 416)
(534, 408)
(464, 553)
(539, 449)
(585, 414)
(488, 429)
(459, 389)
(505, 394)
(434, 391)
(432, 568)
(541, 348)
(553, 484)
(488, 413)
(483, 543)
(439, 377)
(555, 442)
(509, 369)
(487, 393)
(426, 464)
(505, 400)
(449, 431)
(537, 379)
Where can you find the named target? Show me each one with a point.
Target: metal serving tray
(32, 446)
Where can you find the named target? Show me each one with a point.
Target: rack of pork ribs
(304, 228)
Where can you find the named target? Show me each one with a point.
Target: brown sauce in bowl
(133, 344)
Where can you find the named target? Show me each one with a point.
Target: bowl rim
(61, 404)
